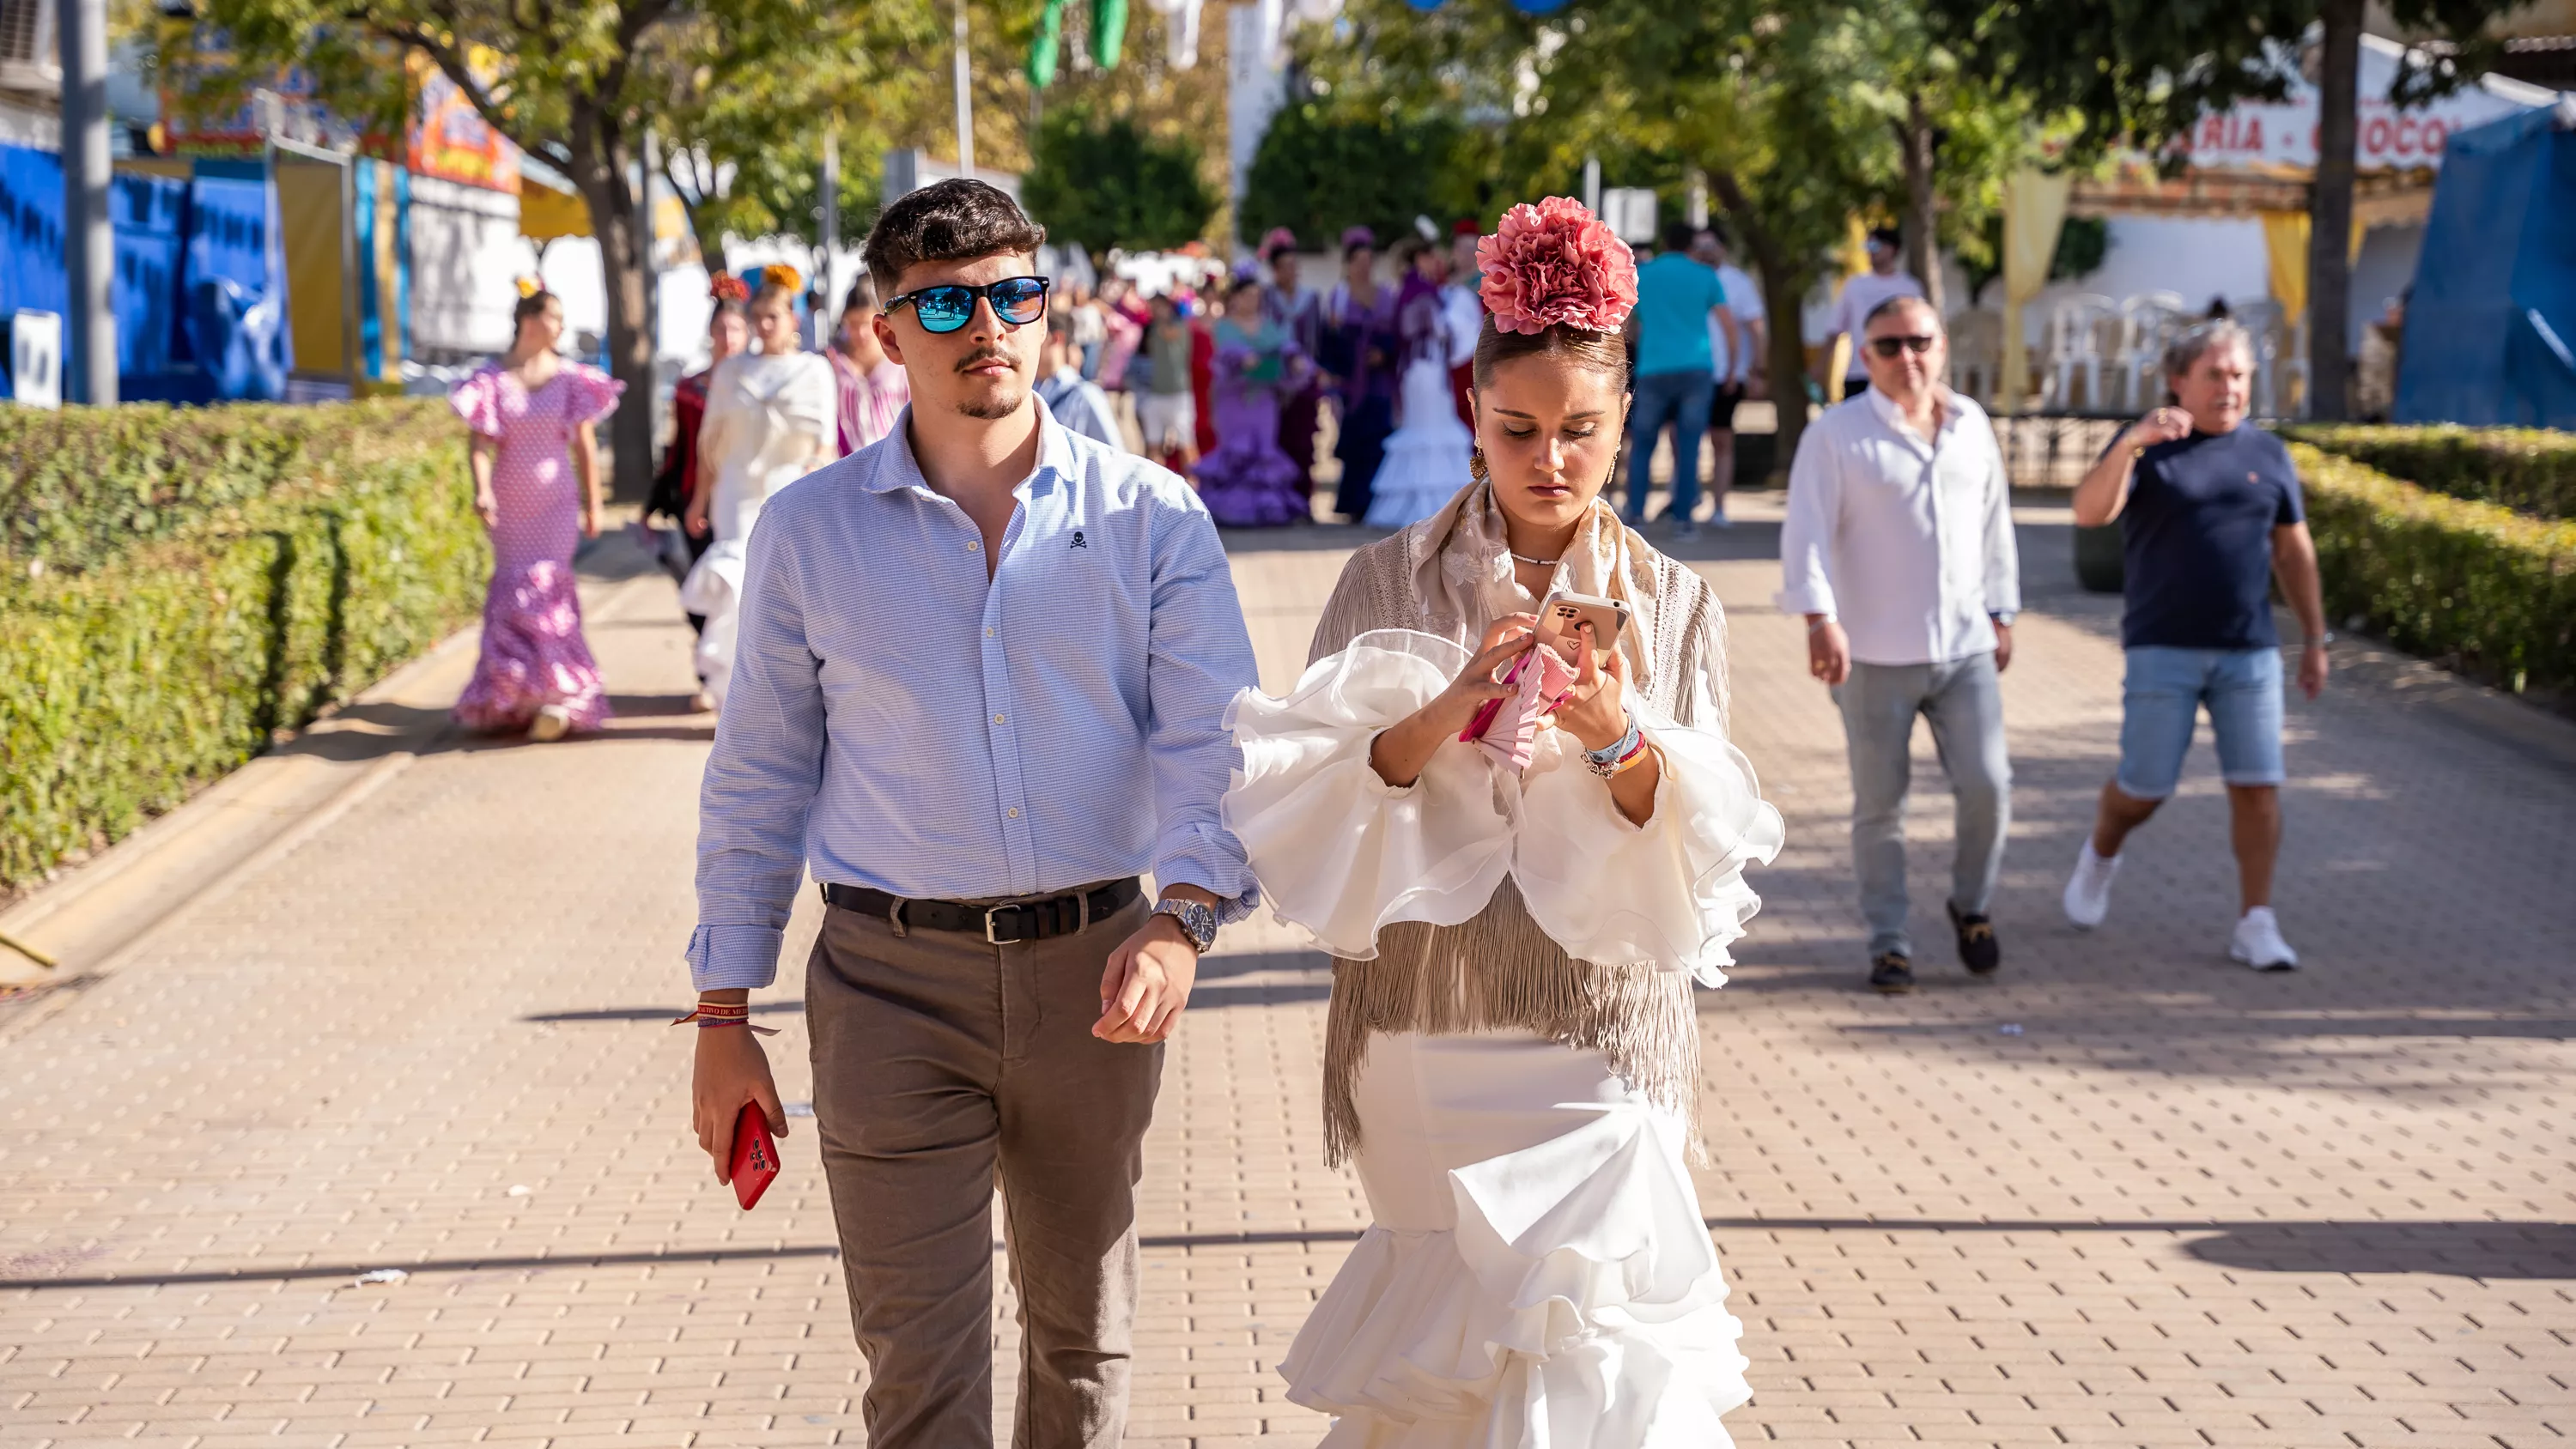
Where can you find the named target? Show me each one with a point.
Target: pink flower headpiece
(1556, 263)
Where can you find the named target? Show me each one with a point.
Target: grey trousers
(941, 1065)
(1879, 703)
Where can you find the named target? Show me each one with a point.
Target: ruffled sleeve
(589, 394)
(1340, 853)
(1670, 892)
(478, 401)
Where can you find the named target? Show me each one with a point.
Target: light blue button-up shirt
(898, 722)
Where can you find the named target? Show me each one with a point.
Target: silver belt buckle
(989, 938)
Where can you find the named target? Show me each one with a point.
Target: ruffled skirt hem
(533, 655)
(1578, 1305)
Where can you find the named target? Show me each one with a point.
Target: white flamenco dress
(1426, 457)
(770, 420)
(1538, 1275)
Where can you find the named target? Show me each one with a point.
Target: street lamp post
(965, 100)
(89, 246)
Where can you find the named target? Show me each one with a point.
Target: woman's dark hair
(1605, 352)
(726, 307)
(771, 294)
(529, 306)
(862, 297)
(1241, 285)
(957, 220)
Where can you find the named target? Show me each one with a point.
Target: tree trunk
(2330, 212)
(1784, 286)
(598, 169)
(1922, 214)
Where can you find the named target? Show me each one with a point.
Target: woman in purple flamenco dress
(1250, 481)
(536, 485)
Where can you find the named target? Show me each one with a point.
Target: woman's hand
(1454, 708)
(1595, 710)
(590, 517)
(487, 508)
(1399, 753)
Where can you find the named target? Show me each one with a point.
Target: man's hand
(2313, 669)
(1828, 650)
(2164, 425)
(695, 518)
(2003, 646)
(1147, 983)
(731, 1070)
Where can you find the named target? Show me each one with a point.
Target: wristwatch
(1198, 922)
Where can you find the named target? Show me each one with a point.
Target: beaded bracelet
(711, 1015)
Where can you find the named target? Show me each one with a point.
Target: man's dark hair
(1888, 237)
(1678, 236)
(957, 220)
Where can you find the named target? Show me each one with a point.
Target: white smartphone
(1562, 617)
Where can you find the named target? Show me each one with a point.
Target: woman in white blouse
(771, 419)
(1512, 1056)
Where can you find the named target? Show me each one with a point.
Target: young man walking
(1898, 548)
(1860, 297)
(2211, 511)
(983, 678)
(1677, 299)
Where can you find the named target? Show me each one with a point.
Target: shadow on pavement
(2493, 1251)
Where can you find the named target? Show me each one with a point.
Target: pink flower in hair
(1556, 263)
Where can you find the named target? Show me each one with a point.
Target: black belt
(1004, 925)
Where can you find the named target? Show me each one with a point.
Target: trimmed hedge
(2532, 470)
(317, 549)
(2481, 587)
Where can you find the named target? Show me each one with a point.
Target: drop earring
(1476, 465)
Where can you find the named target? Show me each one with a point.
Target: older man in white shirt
(1898, 549)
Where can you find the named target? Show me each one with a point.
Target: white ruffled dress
(1538, 1275)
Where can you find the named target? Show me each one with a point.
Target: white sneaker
(552, 723)
(2258, 943)
(2088, 890)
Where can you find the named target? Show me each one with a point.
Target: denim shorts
(2161, 700)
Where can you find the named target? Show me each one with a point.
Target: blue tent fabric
(199, 285)
(2491, 322)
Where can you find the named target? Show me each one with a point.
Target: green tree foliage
(1105, 183)
(1323, 168)
(1798, 118)
(578, 84)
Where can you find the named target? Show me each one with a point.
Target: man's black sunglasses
(1890, 346)
(1018, 301)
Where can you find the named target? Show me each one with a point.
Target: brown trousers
(940, 1063)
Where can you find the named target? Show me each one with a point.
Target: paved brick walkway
(2127, 1194)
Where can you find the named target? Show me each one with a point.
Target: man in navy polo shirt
(2212, 511)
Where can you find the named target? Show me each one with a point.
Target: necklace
(1536, 563)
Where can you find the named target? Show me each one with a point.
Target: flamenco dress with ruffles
(1250, 481)
(533, 652)
(1538, 1274)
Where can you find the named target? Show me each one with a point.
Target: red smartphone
(755, 1155)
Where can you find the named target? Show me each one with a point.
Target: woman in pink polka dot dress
(531, 413)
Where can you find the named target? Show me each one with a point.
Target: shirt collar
(898, 467)
(1895, 421)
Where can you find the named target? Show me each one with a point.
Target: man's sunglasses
(1018, 301)
(1889, 347)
